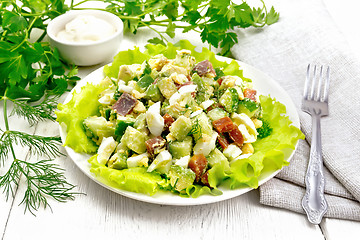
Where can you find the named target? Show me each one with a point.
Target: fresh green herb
(121, 127)
(32, 75)
(249, 104)
(145, 81)
(35, 112)
(213, 19)
(42, 177)
(147, 69)
(234, 99)
(196, 130)
(219, 73)
(29, 68)
(265, 130)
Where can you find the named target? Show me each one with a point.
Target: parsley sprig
(214, 20)
(32, 75)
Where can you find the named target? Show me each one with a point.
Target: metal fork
(315, 103)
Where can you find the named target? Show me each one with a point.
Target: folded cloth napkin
(306, 34)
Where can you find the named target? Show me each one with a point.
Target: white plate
(263, 83)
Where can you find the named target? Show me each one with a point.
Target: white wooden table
(102, 214)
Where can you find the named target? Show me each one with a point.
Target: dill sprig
(39, 145)
(43, 178)
(196, 130)
(36, 112)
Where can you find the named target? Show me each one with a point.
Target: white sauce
(86, 28)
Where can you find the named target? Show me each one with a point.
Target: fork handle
(314, 202)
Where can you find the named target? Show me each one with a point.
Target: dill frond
(196, 130)
(5, 146)
(38, 145)
(37, 112)
(43, 180)
(10, 180)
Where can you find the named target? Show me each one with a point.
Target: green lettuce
(82, 105)
(131, 179)
(270, 152)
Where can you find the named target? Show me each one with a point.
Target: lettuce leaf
(82, 105)
(132, 179)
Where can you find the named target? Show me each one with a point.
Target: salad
(173, 119)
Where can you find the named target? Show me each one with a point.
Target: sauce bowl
(86, 53)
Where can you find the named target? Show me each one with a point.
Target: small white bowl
(86, 53)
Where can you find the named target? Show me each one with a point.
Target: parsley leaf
(265, 130)
(249, 104)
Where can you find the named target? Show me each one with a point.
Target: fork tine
(312, 93)
(327, 84)
(319, 85)
(307, 81)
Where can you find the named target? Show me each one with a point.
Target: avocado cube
(98, 127)
(134, 139)
(180, 128)
(153, 93)
(230, 100)
(167, 87)
(179, 149)
(181, 178)
(217, 113)
(216, 156)
(117, 161)
(202, 125)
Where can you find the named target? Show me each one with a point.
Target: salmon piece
(125, 104)
(198, 164)
(154, 145)
(236, 136)
(168, 120)
(204, 67)
(222, 141)
(250, 93)
(205, 179)
(224, 124)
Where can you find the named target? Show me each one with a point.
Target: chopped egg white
(174, 98)
(187, 89)
(138, 161)
(161, 160)
(232, 152)
(183, 162)
(248, 138)
(105, 150)
(182, 93)
(154, 120)
(207, 104)
(206, 144)
(246, 126)
(194, 114)
(124, 88)
(107, 99)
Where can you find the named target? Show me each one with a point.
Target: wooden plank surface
(107, 215)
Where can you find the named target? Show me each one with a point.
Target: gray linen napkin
(306, 34)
